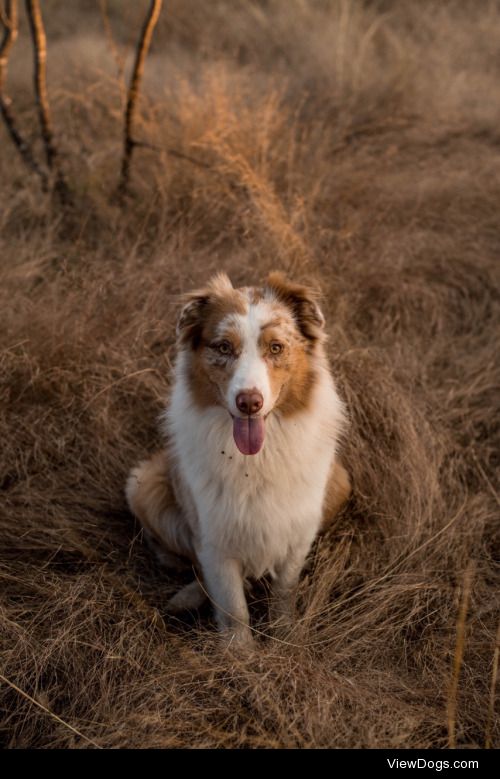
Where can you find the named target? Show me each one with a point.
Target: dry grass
(356, 143)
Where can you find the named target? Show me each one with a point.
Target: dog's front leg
(224, 580)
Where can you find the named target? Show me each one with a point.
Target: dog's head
(251, 351)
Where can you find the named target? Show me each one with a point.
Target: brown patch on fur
(274, 331)
(291, 373)
(255, 295)
(208, 378)
(203, 388)
(297, 387)
(205, 308)
(208, 374)
(227, 333)
(198, 328)
(301, 301)
(337, 493)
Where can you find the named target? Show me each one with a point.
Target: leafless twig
(133, 91)
(459, 654)
(9, 21)
(40, 76)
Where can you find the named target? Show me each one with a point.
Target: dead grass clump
(355, 143)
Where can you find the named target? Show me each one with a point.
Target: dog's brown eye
(224, 347)
(275, 347)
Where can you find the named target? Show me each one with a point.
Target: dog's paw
(192, 596)
(237, 640)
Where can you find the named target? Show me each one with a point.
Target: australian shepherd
(250, 472)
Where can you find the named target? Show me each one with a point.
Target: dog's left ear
(303, 303)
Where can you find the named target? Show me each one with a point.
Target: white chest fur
(255, 508)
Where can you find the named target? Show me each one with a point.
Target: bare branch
(9, 19)
(10, 24)
(4, 15)
(40, 72)
(133, 91)
(459, 653)
(19, 142)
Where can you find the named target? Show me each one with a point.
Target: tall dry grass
(356, 143)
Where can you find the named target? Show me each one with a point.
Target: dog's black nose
(249, 401)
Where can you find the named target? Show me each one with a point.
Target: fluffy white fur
(257, 514)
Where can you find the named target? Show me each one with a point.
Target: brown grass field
(355, 144)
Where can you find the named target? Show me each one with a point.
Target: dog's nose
(249, 401)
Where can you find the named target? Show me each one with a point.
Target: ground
(354, 144)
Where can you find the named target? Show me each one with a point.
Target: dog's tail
(151, 498)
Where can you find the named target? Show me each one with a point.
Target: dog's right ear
(193, 313)
(190, 322)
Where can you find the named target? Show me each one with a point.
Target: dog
(250, 473)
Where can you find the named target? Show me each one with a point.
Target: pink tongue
(248, 434)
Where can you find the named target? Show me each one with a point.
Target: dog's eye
(275, 347)
(224, 347)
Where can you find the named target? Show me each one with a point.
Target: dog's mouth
(248, 433)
